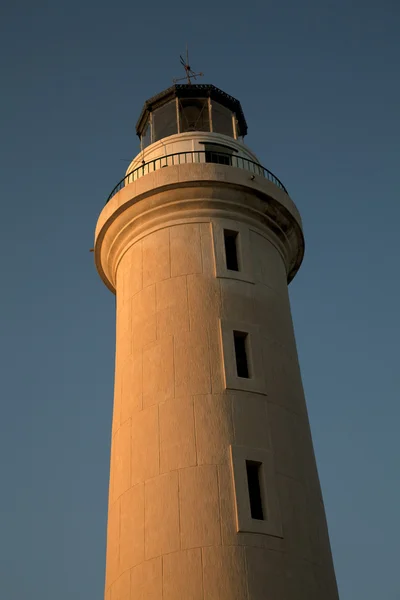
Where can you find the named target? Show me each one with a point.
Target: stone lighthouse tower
(214, 491)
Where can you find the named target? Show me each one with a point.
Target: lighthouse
(214, 491)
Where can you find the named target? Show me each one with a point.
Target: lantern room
(190, 108)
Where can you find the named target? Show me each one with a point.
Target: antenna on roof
(189, 73)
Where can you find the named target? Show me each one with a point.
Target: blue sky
(319, 86)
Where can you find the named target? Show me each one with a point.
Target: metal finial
(190, 74)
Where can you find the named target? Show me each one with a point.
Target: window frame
(243, 247)
(232, 381)
(245, 523)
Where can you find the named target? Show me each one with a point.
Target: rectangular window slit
(241, 342)
(253, 470)
(231, 250)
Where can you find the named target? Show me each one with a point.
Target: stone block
(182, 575)
(237, 300)
(269, 267)
(199, 507)
(130, 274)
(121, 589)
(272, 312)
(204, 301)
(282, 378)
(192, 363)
(121, 460)
(295, 517)
(144, 328)
(158, 373)
(146, 580)
(214, 429)
(156, 257)
(145, 445)
(185, 249)
(300, 581)
(116, 415)
(177, 436)
(131, 386)
(218, 383)
(250, 420)
(326, 581)
(227, 506)
(161, 515)
(172, 306)
(113, 527)
(291, 442)
(224, 573)
(265, 572)
(131, 528)
(123, 332)
(207, 249)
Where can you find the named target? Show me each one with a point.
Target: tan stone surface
(158, 372)
(177, 437)
(121, 589)
(161, 515)
(172, 306)
(130, 272)
(185, 249)
(269, 267)
(204, 301)
(131, 528)
(237, 300)
(112, 563)
(156, 257)
(131, 386)
(218, 384)
(265, 572)
(295, 517)
(282, 378)
(123, 331)
(288, 433)
(144, 329)
(145, 445)
(250, 420)
(199, 507)
(121, 459)
(182, 575)
(146, 580)
(192, 363)
(300, 580)
(224, 573)
(214, 429)
(207, 249)
(272, 311)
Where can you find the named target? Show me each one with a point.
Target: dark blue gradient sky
(319, 84)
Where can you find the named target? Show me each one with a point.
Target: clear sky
(319, 85)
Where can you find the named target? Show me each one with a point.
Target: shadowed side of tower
(214, 491)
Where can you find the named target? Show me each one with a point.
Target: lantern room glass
(194, 114)
(164, 121)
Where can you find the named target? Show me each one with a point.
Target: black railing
(196, 156)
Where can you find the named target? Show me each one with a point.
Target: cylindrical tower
(214, 491)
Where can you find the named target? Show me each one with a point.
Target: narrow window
(241, 341)
(231, 250)
(253, 481)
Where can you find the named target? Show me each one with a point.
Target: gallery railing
(196, 156)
